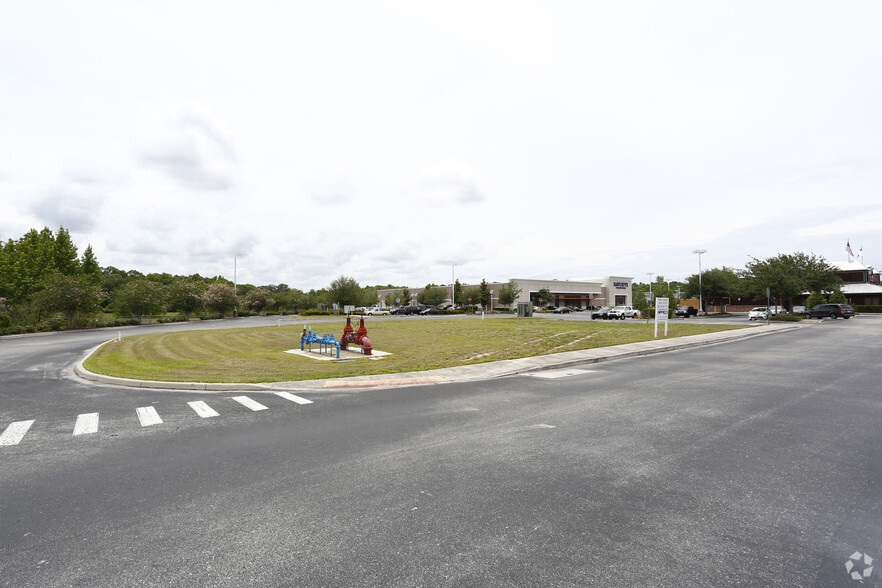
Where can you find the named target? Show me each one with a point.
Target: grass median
(257, 354)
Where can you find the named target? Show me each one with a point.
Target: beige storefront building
(609, 291)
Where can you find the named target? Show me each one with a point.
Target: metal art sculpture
(357, 338)
(325, 341)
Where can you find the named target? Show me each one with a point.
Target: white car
(759, 313)
(623, 312)
(376, 310)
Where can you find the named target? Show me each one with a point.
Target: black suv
(832, 310)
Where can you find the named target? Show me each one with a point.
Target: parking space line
(202, 409)
(293, 398)
(86, 424)
(248, 403)
(15, 432)
(148, 416)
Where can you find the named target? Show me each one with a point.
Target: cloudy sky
(389, 140)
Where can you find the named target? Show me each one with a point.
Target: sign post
(661, 314)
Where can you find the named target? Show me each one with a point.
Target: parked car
(798, 310)
(686, 311)
(832, 310)
(601, 313)
(399, 310)
(374, 310)
(428, 310)
(758, 313)
(562, 310)
(622, 312)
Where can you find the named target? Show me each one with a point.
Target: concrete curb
(483, 371)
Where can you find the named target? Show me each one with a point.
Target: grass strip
(257, 354)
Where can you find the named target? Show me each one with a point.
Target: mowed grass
(257, 354)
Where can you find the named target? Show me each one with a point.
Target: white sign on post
(661, 314)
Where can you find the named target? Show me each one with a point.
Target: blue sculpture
(325, 341)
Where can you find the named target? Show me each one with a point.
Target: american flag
(848, 248)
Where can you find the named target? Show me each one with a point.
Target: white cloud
(389, 141)
(190, 146)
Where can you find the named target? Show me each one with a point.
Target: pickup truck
(622, 312)
(685, 311)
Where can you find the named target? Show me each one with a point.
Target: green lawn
(256, 354)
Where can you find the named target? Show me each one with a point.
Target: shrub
(869, 308)
(786, 317)
(316, 313)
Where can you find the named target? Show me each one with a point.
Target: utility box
(525, 309)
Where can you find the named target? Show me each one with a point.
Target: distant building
(609, 291)
(861, 283)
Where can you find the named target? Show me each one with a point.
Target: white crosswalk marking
(247, 402)
(86, 424)
(293, 398)
(15, 432)
(202, 409)
(148, 416)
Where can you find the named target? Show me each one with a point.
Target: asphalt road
(756, 462)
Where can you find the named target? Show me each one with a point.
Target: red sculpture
(358, 338)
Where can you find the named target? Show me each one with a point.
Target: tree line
(45, 284)
(787, 276)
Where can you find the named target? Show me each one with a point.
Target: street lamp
(235, 259)
(700, 303)
(650, 274)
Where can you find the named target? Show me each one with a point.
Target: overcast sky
(389, 140)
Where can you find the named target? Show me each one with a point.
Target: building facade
(608, 291)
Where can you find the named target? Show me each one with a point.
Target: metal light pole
(452, 285)
(700, 302)
(650, 274)
(235, 308)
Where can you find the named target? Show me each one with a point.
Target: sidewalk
(466, 373)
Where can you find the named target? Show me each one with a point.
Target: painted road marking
(293, 398)
(86, 424)
(148, 416)
(563, 373)
(14, 432)
(247, 402)
(203, 409)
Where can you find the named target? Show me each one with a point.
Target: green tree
(187, 296)
(814, 299)
(432, 295)
(257, 300)
(545, 297)
(64, 253)
(457, 294)
(789, 275)
(140, 297)
(75, 297)
(838, 297)
(484, 290)
(471, 296)
(508, 293)
(89, 264)
(220, 298)
(716, 285)
(344, 291)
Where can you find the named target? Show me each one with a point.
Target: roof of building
(862, 289)
(851, 265)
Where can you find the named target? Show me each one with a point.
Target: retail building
(608, 291)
